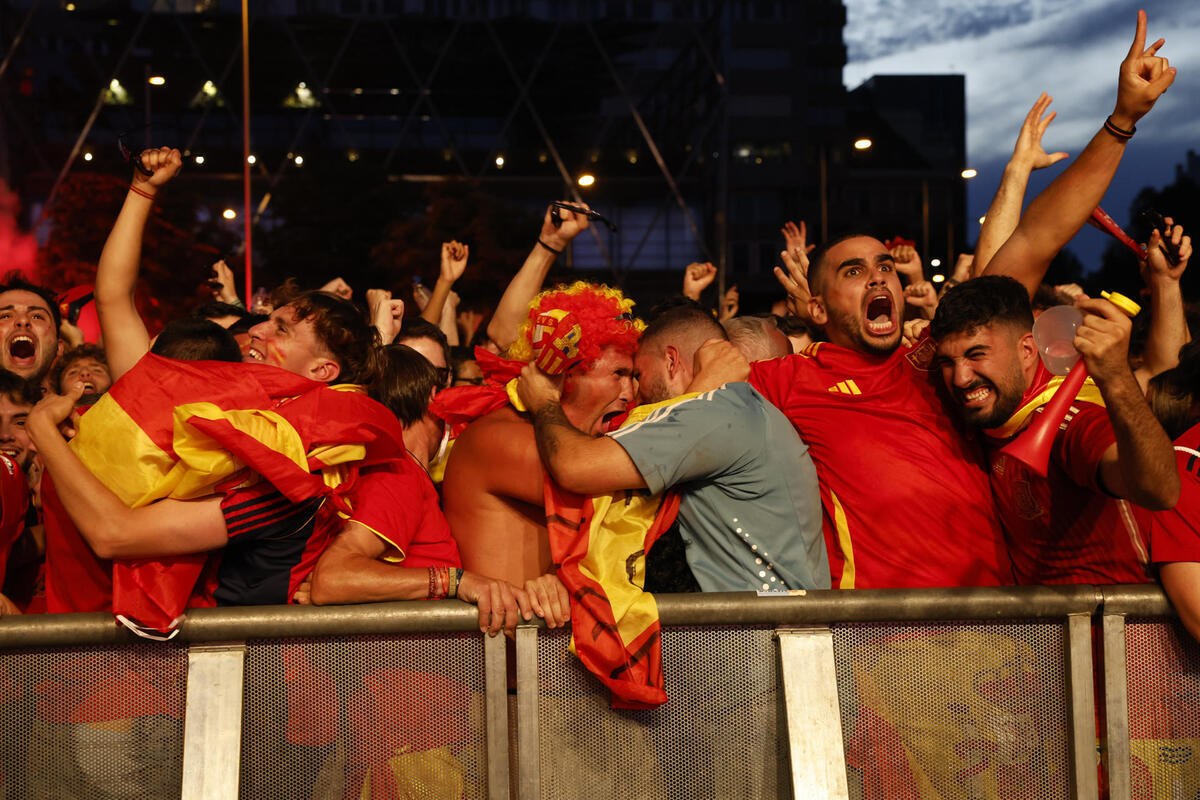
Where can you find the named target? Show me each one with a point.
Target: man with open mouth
(749, 514)
(29, 321)
(906, 497)
(495, 482)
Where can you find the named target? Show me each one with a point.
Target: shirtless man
(493, 490)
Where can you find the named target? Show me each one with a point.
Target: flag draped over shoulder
(1089, 392)
(600, 544)
(459, 406)
(183, 429)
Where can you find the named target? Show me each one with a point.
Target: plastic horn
(1104, 222)
(1032, 447)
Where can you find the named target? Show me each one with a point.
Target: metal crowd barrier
(933, 693)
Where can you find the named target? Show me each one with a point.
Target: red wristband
(144, 194)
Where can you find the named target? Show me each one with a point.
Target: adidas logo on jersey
(846, 387)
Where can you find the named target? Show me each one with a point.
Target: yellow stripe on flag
(120, 453)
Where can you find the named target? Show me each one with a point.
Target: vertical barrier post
(529, 768)
(212, 733)
(1084, 764)
(1116, 708)
(495, 652)
(811, 699)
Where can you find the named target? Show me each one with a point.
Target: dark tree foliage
(176, 254)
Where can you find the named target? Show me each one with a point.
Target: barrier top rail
(712, 608)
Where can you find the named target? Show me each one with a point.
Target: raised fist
(569, 225)
(163, 164)
(697, 277)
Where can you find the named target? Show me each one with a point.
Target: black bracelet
(1120, 133)
(548, 247)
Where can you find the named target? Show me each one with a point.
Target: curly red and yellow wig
(604, 315)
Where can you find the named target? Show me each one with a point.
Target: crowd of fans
(558, 453)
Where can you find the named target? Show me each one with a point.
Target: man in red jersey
(1078, 523)
(905, 497)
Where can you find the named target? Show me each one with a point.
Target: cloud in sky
(1010, 50)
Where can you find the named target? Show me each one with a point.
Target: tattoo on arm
(552, 430)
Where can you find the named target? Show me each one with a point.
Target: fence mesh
(715, 737)
(952, 711)
(103, 723)
(376, 717)
(1163, 671)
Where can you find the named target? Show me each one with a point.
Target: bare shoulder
(496, 454)
(502, 432)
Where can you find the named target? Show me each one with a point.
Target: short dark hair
(690, 325)
(406, 382)
(18, 390)
(1175, 395)
(77, 353)
(196, 340)
(344, 332)
(247, 322)
(418, 328)
(15, 281)
(982, 301)
(817, 258)
(218, 309)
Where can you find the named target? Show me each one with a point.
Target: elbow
(323, 592)
(330, 585)
(103, 537)
(1162, 496)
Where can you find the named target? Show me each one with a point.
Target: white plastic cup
(1053, 333)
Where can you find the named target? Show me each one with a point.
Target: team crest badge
(921, 356)
(555, 340)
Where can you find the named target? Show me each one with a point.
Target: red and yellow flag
(600, 544)
(181, 429)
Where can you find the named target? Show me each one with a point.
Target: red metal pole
(246, 212)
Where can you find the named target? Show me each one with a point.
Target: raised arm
(1168, 324)
(125, 337)
(559, 227)
(1005, 211)
(454, 263)
(697, 277)
(1140, 466)
(1060, 211)
(579, 462)
(111, 528)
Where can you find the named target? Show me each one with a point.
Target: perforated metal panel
(103, 723)
(716, 737)
(953, 710)
(1163, 671)
(376, 716)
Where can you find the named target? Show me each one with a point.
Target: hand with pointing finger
(1143, 78)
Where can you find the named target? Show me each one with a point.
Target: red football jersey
(399, 504)
(1175, 534)
(1064, 528)
(14, 502)
(905, 495)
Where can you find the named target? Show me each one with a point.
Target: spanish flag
(187, 429)
(600, 544)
